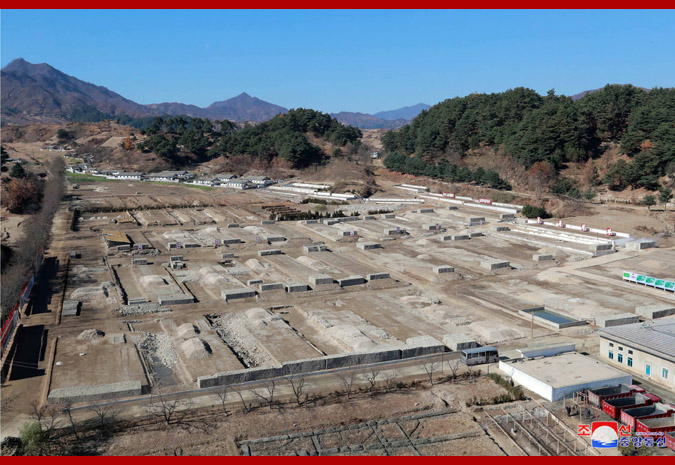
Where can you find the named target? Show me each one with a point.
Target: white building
(237, 184)
(555, 378)
(644, 349)
(171, 176)
(259, 181)
(130, 175)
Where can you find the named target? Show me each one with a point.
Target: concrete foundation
(227, 256)
(444, 269)
(251, 282)
(176, 299)
(70, 307)
(456, 342)
(271, 239)
(176, 258)
(93, 393)
(640, 245)
(262, 253)
(368, 245)
(394, 232)
(426, 210)
(374, 276)
(267, 222)
(476, 234)
(272, 287)
(321, 279)
(389, 216)
(498, 228)
(234, 294)
(233, 225)
(494, 264)
(539, 257)
(457, 237)
(315, 248)
(432, 227)
(296, 287)
(507, 217)
(228, 241)
(655, 311)
(139, 261)
(351, 281)
(616, 320)
(422, 345)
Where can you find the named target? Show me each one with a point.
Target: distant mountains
(39, 92)
(42, 93)
(243, 107)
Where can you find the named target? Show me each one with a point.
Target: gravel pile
(232, 330)
(142, 309)
(91, 334)
(158, 347)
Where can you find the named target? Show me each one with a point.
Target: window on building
(611, 344)
(629, 362)
(619, 358)
(611, 355)
(630, 352)
(620, 348)
(648, 369)
(664, 373)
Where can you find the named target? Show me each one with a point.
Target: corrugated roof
(657, 337)
(116, 236)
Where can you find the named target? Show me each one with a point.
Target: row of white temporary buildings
(226, 180)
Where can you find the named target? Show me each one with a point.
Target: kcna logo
(604, 434)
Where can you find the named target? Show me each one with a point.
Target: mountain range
(42, 93)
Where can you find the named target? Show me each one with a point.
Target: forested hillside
(552, 130)
(284, 136)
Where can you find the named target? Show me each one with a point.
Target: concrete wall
(93, 393)
(616, 320)
(368, 245)
(494, 264)
(351, 281)
(296, 287)
(444, 269)
(655, 311)
(262, 253)
(538, 257)
(457, 237)
(321, 279)
(271, 287)
(297, 367)
(233, 294)
(375, 276)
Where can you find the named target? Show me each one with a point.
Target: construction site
(162, 289)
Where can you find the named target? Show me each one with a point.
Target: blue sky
(365, 61)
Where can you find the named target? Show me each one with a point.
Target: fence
(12, 321)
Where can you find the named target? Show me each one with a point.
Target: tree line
(444, 170)
(553, 129)
(284, 136)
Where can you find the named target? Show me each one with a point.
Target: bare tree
(246, 407)
(347, 379)
(454, 367)
(267, 395)
(297, 386)
(390, 379)
(372, 379)
(106, 415)
(430, 368)
(68, 410)
(46, 415)
(222, 397)
(170, 408)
